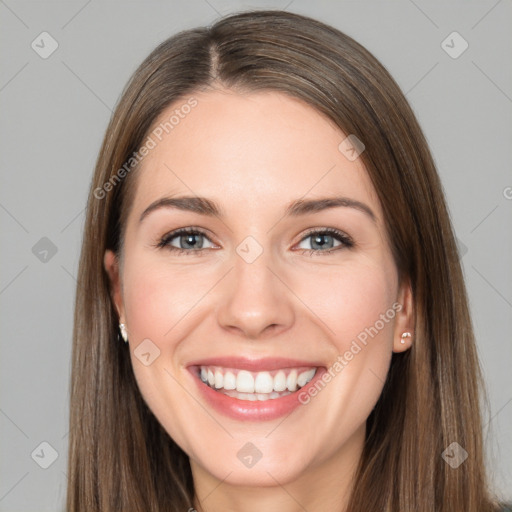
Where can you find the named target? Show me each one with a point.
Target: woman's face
(258, 296)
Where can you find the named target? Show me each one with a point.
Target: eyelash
(164, 242)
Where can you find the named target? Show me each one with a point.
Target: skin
(253, 154)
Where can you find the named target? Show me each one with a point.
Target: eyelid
(163, 242)
(346, 240)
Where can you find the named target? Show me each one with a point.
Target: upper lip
(255, 365)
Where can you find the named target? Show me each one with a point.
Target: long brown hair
(120, 457)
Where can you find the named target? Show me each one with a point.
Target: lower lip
(257, 410)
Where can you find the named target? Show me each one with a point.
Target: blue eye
(325, 239)
(188, 241)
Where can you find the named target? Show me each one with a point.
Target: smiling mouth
(252, 386)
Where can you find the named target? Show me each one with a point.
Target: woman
(259, 369)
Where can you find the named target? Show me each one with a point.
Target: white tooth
(291, 381)
(264, 383)
(211, 378)
(219, 379)
(311, 374)
(305, 377)
(241, 396)
(280, 381)
(229, 381)
(254, 396)
(204, 374)
(245, 382)
(301, 379)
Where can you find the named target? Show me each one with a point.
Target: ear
(404, 322)
(111, 264)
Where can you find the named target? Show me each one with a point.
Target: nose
(256, 301)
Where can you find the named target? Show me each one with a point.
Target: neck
(325, 486)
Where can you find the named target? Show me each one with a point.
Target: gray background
(54, 113)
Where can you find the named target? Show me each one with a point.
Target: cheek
(353, 301)
(157, 298)
(356, 308)
(349, 302)
(158, 305)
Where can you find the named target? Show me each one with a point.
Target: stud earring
(405, 335)
(124, 333)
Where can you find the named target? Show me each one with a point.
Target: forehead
(250, 150)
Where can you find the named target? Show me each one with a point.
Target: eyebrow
(204, 206)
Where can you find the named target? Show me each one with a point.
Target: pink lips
(246, 410)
